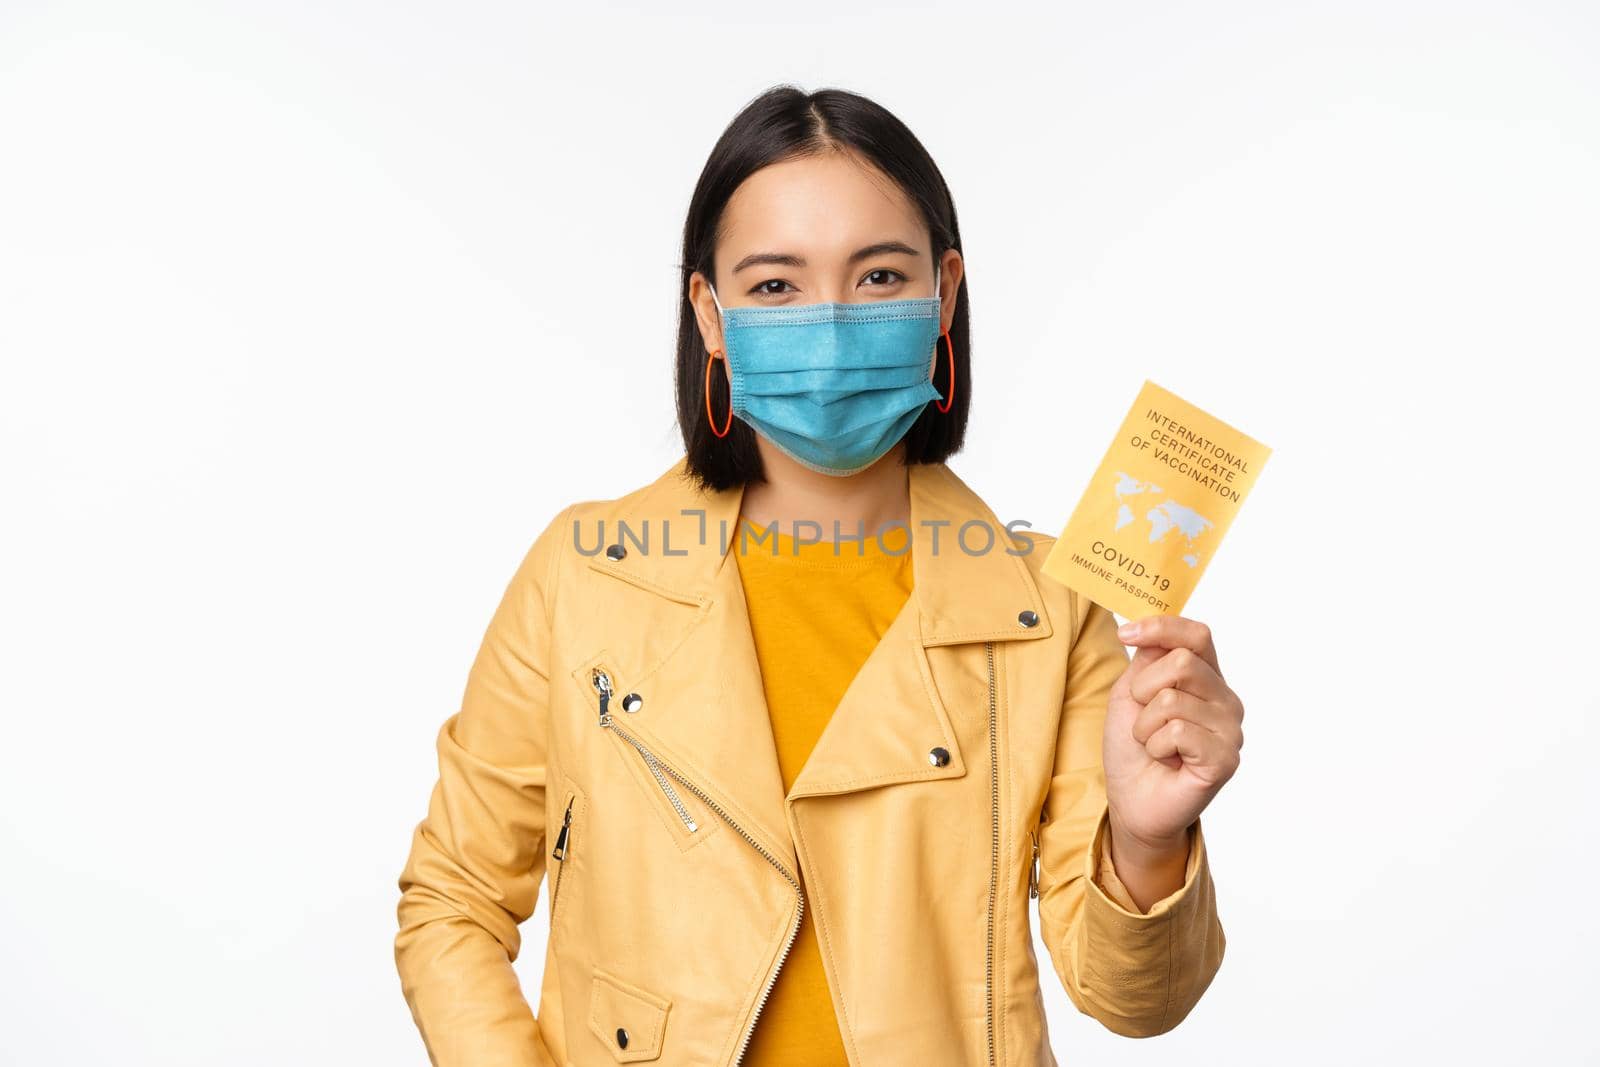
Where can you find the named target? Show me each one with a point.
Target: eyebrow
(787, 259)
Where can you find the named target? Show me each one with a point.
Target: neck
(868, 500)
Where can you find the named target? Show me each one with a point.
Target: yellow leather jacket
(613, 735)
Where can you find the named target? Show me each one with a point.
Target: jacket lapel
(965, 590)
(705, 711)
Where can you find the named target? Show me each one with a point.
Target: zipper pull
(560, 852)
(1033, 866)
(602, 685)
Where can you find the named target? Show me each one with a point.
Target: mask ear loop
(944, 405)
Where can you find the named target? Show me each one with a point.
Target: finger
(1171, 631)
(1198, 747)
(1176, 668)
(1172, 704)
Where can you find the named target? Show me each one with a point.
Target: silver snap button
(632, 702)
(622, 1038)
(616, 551)
(1029, 618)
(938, 757)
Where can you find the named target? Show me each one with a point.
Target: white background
(312, 315)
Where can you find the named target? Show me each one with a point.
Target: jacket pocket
(629, 1021)
(1033, 857)
(568, 831)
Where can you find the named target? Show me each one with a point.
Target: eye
(761, 288)
(894, 275)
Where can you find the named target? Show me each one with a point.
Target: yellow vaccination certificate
(1155, 512)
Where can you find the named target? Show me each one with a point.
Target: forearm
(1148, 871)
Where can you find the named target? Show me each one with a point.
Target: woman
(797, 747)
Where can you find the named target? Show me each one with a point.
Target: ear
(705, 313)
(951, 269)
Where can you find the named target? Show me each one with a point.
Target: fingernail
(1128, 631)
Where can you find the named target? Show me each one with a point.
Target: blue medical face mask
(832, 385)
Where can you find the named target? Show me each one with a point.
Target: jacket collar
(969, 585)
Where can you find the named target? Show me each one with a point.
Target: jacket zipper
(559, 853)
(602, 685)
(1033, 865)
(994, 849)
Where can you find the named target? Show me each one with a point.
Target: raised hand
(1173, 732)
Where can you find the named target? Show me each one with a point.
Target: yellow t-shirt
(815, 617)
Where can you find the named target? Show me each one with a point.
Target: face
(820, 228)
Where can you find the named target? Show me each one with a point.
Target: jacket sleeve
(1106, 878)
(1139, 974)
(477, 859)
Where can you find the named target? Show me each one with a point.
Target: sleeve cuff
(1109, 888)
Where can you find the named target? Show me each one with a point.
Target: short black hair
(786, 122)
